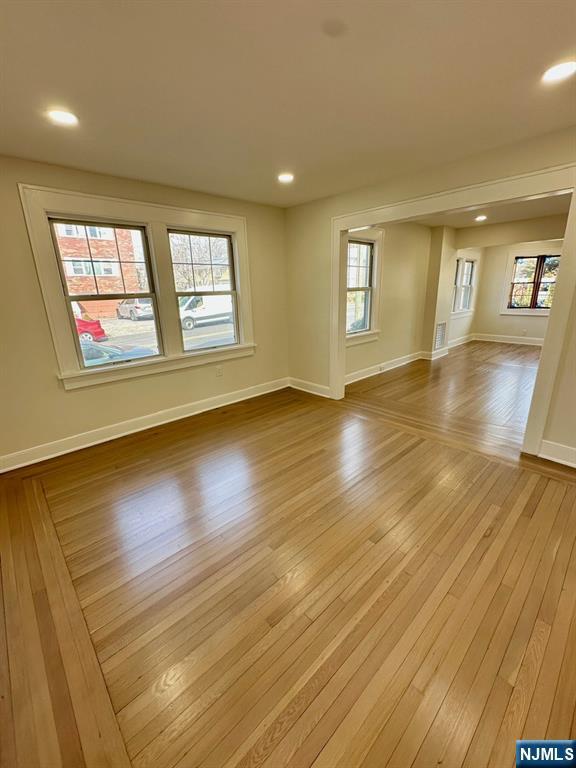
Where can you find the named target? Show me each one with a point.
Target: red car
(90, 330)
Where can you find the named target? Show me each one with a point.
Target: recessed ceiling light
(61, 117)
(559, 72)
(481, 217)
(358, 229)
(286, 178)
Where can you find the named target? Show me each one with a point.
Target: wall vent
(440, 336)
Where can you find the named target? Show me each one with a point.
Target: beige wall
(35, 407)
(402, 276)
(545, 228)
(440, 286)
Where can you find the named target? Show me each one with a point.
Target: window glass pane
(130, 244)
(358, 277)
(102, 247)
(203, 278)
(108, 276)
(222, 278)
(112, 331)
(354, 254)
(207, 321)
(71, 241)
(357, 311)
(100, 233)
(468, 272)
(545, 295)
(458, 263)
(200, 248)
(466, 296)
(183, 277)
(220, 249)
(135, 276)
(524, 270)
(550, 270)
(359, 254)
(521, 295)
(180, 248)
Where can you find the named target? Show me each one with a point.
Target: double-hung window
(463, 285)
(533, 282)
(100, 277)
(359, 277)
(133, 288)
(203, 269)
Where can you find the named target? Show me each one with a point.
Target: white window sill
(533, 312)
(91, 376)
(463, 313)
(362, 337)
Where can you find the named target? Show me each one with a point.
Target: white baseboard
(534, 340)
(102, 434)
(309, 386)
(461, 340)
(562, 454)
(374, 370)
(438, 353)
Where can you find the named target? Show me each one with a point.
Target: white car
(205, 310)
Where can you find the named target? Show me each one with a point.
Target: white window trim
(41, 202)
(373, 333)
(524, 249)
(471, 309)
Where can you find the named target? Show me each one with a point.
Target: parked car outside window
(135, 309)
(205, 310)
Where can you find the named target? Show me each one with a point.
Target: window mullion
(166, 298)
(537, 281)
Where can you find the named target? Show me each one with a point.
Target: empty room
(287, 383)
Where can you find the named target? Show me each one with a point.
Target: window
(463, 285)
(100, 276)
(203, 269)
(533, 282)
(359, 271)
(126, 297)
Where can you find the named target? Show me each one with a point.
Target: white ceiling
(515, 210)
(219, 96)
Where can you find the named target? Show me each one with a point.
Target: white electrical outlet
(219, 370)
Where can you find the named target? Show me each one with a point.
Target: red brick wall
(121, 251)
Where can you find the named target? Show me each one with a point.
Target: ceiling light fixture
(482, 217)
(286, 178)
(358, 229)
(559, 72)
(62, 117)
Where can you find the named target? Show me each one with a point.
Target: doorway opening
(447, 313)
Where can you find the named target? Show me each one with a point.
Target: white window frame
(525, 249)
(459, 286)
(42, 203)
(376, 238)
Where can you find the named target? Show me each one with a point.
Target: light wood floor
(478, 396)
(292, 581)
